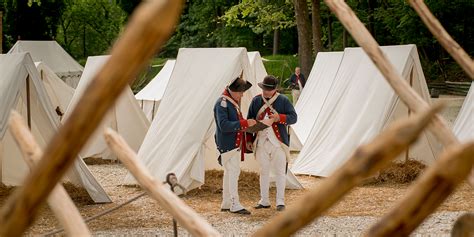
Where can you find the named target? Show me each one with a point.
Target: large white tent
(314, 94)
(358, 106)
(21, 89)
(150, 96)
(463, 127)
(59, 93)
(51, 53)
(181, 137)
(125, 117)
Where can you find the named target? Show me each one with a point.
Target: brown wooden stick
(150, 26)
(429, 191)
(59, 201)
(443, 37)
(365, 161)
(464, 226)
(185, 215)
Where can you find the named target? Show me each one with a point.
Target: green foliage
(281, 66)
(89, 27)
(148, 74)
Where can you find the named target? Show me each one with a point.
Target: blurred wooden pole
(365, 162)
(443, 37)
(150, 26)
(59, 201)
(185, 215)
(464, 226)
(428, 192)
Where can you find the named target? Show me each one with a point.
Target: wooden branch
(365, 162)
(141, 39)
(429, 191)
(443, 37)
(464, 226)
(185, 215)
(59, 201)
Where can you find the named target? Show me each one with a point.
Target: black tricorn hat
(269, 83)
(239, 84)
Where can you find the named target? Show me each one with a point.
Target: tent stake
(366, 161)
(185, 215)
(59, 201)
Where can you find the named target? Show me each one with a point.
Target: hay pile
(98, 161)
(398, 173)
(248, 182)
(5, 191)
(78, 194)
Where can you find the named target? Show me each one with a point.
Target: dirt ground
(367, 200)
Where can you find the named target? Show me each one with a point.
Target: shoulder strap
(268, 104)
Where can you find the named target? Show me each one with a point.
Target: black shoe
(260, 206)
(242, 212)
(225, 210)
(280, 207)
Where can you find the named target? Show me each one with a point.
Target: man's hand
(251, 122)
(249, 146)
(267, 122)
(275, 117)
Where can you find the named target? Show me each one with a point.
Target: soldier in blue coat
(271, 144)
(230, 141)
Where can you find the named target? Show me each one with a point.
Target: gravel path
(439, 224)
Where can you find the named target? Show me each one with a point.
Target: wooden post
(365, 161)
(443, 37)
(59, 201)
(464, 226)
(139, 42)
(28, 102)
(429, 191)
(185, 215)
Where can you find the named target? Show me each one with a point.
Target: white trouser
(296, 95)
(230, 196)
(271, 158)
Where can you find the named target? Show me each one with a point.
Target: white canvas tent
(257, 70)
(125, 117)
(51, 53)
(314, 94)
(21, 89)
(181, 137)
(150, 96)
(463, 127)
(358, 106)
(59, 93)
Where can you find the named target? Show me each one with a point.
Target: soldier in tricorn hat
(230, 141)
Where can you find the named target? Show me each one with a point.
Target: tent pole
(28, 101)
(153, 110)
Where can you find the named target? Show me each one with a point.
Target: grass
(281, 66)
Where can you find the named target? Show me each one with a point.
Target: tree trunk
(316, 20)
(304, 35)
(1, 32)
(344, 38)
(276, 41)
(329, 33)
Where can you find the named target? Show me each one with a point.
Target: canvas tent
(463, 127)
(313, 96)
(359, 105)
(51, 53)
(150, 96)
(181, 137)
(21, 89)
(125, 117)
(59, 93)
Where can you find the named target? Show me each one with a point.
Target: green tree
(89, 27)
